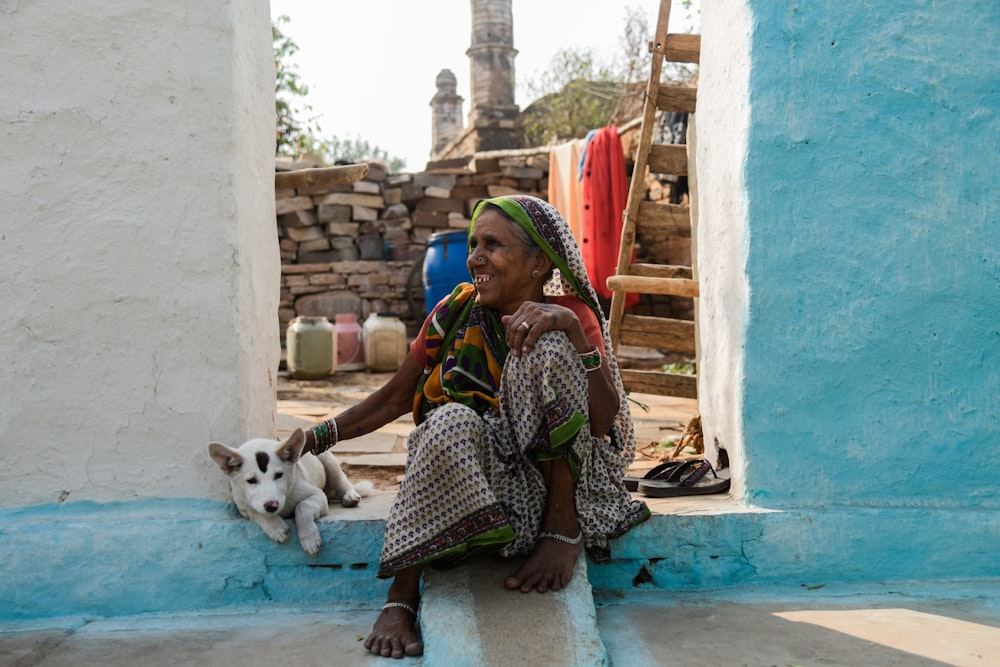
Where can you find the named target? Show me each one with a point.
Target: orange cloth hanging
(565, 186)
(605, 194)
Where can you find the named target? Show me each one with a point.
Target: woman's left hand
(533, 319)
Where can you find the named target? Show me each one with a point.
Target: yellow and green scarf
(465, 353)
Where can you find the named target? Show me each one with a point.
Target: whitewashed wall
(722, 126)
(140, 266)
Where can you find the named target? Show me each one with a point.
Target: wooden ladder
(642, 216)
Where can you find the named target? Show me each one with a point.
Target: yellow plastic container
(385, 342)
(311, 348)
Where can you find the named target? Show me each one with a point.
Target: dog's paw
(311, 544)
(350, 499)
(278, 532)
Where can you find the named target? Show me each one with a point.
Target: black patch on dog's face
(262, 460)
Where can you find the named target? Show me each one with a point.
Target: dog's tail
(364, 488)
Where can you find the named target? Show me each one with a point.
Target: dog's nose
(271, 506)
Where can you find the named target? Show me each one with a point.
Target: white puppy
(272, 480)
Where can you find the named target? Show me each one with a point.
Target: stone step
(468, 618)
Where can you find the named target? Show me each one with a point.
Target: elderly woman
(523, 430)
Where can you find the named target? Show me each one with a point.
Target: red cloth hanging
(605, 194)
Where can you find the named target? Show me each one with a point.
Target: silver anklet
(563, 538)
(401, 605)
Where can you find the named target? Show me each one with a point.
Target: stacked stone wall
(359, 247)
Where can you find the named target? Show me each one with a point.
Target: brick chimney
(493, 112)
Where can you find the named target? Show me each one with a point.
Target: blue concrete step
(469, 619)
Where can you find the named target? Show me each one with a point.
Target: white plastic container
(385, 342)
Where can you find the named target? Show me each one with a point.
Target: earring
(534, 274)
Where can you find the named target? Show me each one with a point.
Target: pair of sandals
(679, 478)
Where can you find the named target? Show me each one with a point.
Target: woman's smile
(500, 264)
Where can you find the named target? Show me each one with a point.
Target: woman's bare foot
(395, 631)
(549, 567)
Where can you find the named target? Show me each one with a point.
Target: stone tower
(446, 114)
(493, 114)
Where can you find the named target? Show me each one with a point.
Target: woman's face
(501, 265)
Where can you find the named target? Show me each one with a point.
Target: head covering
(550, 232)
(466, 346)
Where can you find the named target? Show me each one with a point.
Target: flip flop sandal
(688, 480)
(659, 472)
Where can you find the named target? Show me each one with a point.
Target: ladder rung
(643, 285)
(668, 159)
(676, 98)
(682, 48)
(664, 333)
(659, 270)
(671, 219)
(660, 384)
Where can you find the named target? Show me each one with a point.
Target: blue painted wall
(91, 560)
(873, 339)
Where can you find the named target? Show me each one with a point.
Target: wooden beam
(300, 178)
(682, 48)
(668, 159)
(670, 219)
(676, 98)
(660, 384)
(644, 285)
(661, 333)
(659, 270)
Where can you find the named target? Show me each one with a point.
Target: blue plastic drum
(444, 265)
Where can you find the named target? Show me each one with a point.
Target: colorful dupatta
(464, 355)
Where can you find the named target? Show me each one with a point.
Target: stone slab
(469, 618)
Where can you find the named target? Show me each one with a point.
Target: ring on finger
(526, 325)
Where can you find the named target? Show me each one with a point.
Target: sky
(370, 65)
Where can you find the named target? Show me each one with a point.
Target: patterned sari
(486, 418)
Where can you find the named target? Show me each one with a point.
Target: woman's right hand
(533, 318)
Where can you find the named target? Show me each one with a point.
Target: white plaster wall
(140, 265)
(722, 125)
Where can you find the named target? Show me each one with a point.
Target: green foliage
(358, 150)
(289, 91)
(574, 95)
(295, 137)
(577, 93)
(680, 368)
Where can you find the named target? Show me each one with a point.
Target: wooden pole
(301, 178)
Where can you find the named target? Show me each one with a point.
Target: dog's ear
(226, 457)
(291, 449)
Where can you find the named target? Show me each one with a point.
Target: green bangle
(327, 435)
(591, 359)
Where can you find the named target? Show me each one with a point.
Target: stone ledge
(97, 560)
